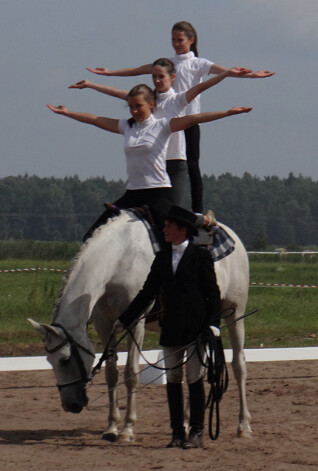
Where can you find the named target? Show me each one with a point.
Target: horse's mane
(83, 249)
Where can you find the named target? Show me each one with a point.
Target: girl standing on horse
(169, 104)
(146, 140)
(189, 72)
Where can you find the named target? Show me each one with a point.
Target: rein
(154, 365)
(217, 376)
(108, 354)
(75, 346)
(217, 373)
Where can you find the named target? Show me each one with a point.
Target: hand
(216, 331)
(99, 71)
(58, 109)
(81, 84)
(239, 110)
(262, 74)
(239, 71)
(209, 219)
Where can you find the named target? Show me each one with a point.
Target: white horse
(108, 272)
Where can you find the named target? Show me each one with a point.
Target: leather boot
(197, 409)
(175, 401)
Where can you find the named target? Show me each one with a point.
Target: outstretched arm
(128, 72)
(200, 87)
(185, 122)
(112, 91)
(108, 124)
(218, 69)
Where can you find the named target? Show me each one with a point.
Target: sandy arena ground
(35, 434)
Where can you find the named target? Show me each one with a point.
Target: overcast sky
(46, 45)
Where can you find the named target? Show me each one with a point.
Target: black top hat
(176, 213)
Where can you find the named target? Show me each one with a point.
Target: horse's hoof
(110, 437)
(126, 438)
(244, 434)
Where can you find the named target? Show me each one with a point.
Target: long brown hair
(190, 32)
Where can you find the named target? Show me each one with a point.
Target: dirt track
(283, 400)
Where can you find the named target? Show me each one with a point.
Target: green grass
(284, 272)
(287, 317)
(27, 294)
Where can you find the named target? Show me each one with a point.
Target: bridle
(75, 346)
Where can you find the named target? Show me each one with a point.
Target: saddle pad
(152, 235)
(222, 244)
(217, 240)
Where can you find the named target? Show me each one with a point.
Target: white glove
(215, 330)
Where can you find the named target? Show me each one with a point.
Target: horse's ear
(43, 329)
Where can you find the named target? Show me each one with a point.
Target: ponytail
(130, 122)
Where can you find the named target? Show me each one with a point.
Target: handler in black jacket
(184, 275)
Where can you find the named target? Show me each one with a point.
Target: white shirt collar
(146, 121)
(164, 95)
(180, 248)
(182, 57)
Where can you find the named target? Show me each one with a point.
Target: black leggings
(158, 200)
(177, 170)
(192, 136)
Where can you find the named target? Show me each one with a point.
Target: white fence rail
(282, 252)
(251, 354)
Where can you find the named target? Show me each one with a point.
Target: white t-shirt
(145, 149)
(169, 105)
(189, 72)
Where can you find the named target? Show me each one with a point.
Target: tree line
(263, 211)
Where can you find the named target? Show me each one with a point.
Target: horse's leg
(131, 376)
(104, 327)
(237, 332)
(111, 374)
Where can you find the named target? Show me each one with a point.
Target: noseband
(74, 350)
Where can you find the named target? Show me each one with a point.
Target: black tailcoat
(191, 296)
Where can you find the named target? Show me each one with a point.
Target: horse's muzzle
(74, 400)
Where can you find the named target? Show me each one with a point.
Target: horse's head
(71, 361)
